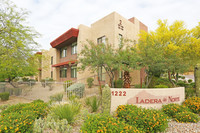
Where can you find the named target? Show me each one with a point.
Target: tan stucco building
(63, 54)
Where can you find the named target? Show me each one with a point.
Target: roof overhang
(69, 36)
(64, 63)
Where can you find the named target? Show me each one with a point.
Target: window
(51, 60)
(120, 40)
(73, 72)
(74, 48)
(101, 40)
(63, 52)
(52, 74)
(101, 74)
(63, 72)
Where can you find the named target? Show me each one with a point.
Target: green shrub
(193, 104)
(10, 90)
(17, 122)
(93, 102)
(25, 79)
(106, 99)
(173, 108)
(186, 117)
(49, 123)
(56, 97)
(66, 111)
(77, 89)
(182, 77)
(149, 120)
(160, 81)
(190, 80)
(17, 91)
(106, 123)
(118, 83)
(161, 86)
(20, 117)
(4, 96)
(90, 82)
(67, 84)
(189, 92)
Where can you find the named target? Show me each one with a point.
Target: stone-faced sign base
(148, 98)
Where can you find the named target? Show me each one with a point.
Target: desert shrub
(193, 104)
(67, 84)
(20, 117)
(118, 83)
(56, 97)
(190, 80)
(180, 83)
(182, 77)
(66, 111)
(77, 89)
(189, 92)
(161, 86)
(87, 101)
(149, 120)
(106, 99)
(4, 96)
(90, 82)
(93, 102)
(17, 91)
(160, 81)
(173, 108)
(25, 79)
(106, 123)
(51, 124)
(186, 116)
(10, 90)
(17, 122)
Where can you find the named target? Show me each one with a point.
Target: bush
(50, 124)
(190, 80)
(160, 81)
(189, 92)
(20, 117)
(150, 120)
(17, 91)
(93, 102)
(161, 86)
(106, 99)
(118, 83)
(139, 86)
(25, 79)
(66, 111)
(4, 96)
(67, 84)
(182, 77)
(56, 97)
(193, 104)
(172, 108)
(106, 123)
(77, 89)
(90, 82)
(186, 117)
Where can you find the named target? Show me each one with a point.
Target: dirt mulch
(15, 100)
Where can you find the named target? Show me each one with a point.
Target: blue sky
(51, 18)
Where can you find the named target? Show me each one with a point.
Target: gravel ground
(175, 127)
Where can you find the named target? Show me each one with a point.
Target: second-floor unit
(67, 46)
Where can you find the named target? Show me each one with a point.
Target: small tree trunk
(127, 80)
(170, 79)
(197, 79)
(10, 82)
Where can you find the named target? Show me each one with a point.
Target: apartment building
(65, 49)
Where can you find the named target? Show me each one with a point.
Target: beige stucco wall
(108, 26)
(46, 63)
(148, 98)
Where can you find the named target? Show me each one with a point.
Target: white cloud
(51, 18)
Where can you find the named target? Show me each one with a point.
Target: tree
(17, 43)
(104, 55)
(161, 51)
